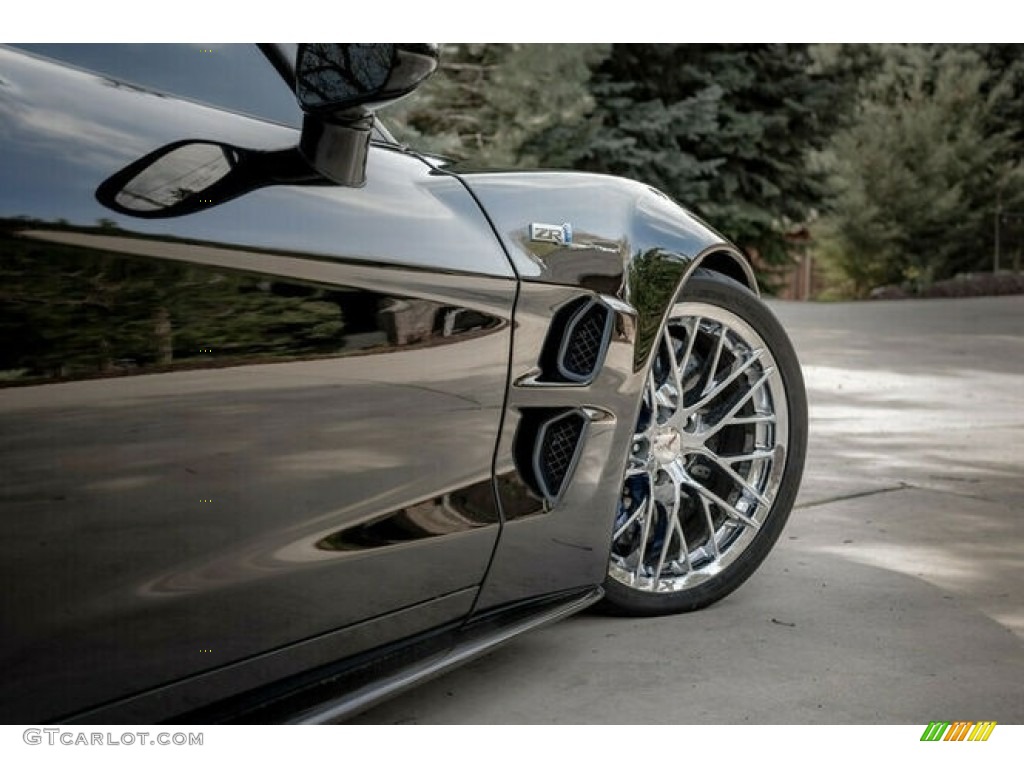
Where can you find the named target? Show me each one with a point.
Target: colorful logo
(961, 730)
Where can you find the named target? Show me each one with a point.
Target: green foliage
(1005, 62)
(897, 156)
(915, 178)
(488, 102)
(725, 129)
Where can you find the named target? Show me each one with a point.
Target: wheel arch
(728, 262)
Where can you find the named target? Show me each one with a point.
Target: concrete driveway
(896, 594)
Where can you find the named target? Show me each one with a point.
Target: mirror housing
(338, 78)
(338, 85)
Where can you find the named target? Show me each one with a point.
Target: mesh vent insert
(577, 340)
(584, 342)
(558, 444)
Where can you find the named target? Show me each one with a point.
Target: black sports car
(292, 416)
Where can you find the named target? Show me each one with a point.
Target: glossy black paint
(632, 247)
(264, 424)
(212, 425)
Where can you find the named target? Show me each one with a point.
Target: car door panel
(226, 433)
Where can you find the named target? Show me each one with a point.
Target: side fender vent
(559, 440)
(577, 341)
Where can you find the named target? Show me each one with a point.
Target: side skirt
(339, 692)
(478, 637)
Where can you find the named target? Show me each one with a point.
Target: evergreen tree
(725, 129)
(917, 175)
(1005, 62)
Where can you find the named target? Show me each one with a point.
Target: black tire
(673, 476)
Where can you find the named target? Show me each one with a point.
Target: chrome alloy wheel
(707, 456)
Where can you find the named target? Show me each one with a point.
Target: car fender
(627, 239)
(575, 237)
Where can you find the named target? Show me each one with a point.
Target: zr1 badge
(559, 234)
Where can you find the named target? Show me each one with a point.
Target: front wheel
(717, 454)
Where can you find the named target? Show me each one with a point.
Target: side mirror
(338, 78)
(338, 85)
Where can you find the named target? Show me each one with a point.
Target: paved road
(896, 594)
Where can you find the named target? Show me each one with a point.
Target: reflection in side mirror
(331, 75)
(334, 78)
(176, 178)
(189, 176)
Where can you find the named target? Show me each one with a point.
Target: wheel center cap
(668, 445)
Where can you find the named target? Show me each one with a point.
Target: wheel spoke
(756, 418)
(678, 477)
(683, 545)
(679, 367)
(665, 400)
(653, 399)
(675, 380)
(753, 456)
(673, 526)
(725, 506)
(709, 382)
(646, 527)
(632, 519)
(724, 384)
(711, 526)
(739, 403)
(664, 551)
(736, 477)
